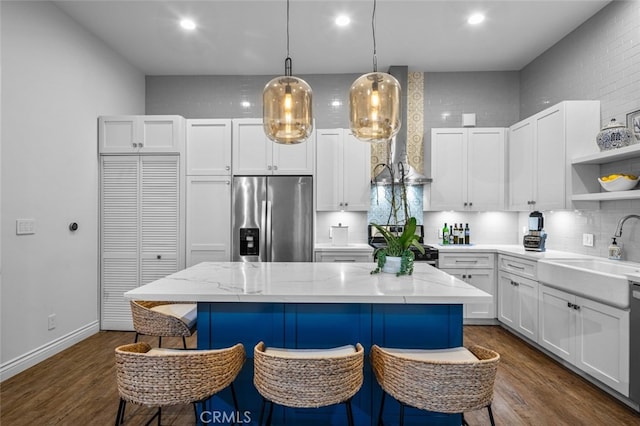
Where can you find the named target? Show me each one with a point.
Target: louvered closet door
(119, 238)
(159, 217)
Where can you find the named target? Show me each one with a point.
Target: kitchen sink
(598, 279)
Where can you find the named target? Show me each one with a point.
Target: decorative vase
(392, 264)
(614, 135)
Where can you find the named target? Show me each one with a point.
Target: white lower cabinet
(518, 304)
(358, 253)
(208, 219)
(590, 335)
(477, 269)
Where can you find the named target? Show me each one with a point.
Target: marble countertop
(283, 282)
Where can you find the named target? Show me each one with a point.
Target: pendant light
(374, 102)
(287, 105)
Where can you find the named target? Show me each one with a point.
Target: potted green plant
(396, 257)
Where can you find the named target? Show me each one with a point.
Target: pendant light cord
(287, 61)
(373, 30)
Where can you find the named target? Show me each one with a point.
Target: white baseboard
(31, 358)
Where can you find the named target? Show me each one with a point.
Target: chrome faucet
(622, 221)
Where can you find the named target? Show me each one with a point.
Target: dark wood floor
(77, 387)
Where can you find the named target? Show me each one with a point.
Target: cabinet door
(160, 252)
(252, 150)
(484, 279)
(507, 300)
(208, 219)
(117, 134)
(356, 166)
(208, 147)
(602, 339)
(527, 309)
(486, 169)
(521, 167)
(119, 234)
(329, 169)
(557, 322)
(448, 169)
(550, 190)
(296, 159)
(160, 133)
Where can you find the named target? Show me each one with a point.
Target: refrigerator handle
(268, 231)
(263, 233)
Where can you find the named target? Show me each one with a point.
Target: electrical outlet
(587, 240)
(51, 321)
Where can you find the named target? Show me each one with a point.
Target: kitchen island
(319, 305)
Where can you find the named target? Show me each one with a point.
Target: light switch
(587, 240)
(25, 226)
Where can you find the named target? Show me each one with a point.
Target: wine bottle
(456, 234)
(445, 234)
(467, 234)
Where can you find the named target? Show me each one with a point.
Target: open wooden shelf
(610, 156)
(608, 196)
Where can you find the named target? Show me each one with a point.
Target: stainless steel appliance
(634, 343)
(430, 254)
(536, 238)
(272, 219)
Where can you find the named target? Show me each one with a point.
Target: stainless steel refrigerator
(272, 219)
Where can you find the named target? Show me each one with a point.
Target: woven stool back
(307, 382)
(442, 386)
(174, 377)
(152, 323)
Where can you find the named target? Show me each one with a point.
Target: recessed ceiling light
(336, 103)
(245, 104)
(188, 24)
(343, 20)
(475, 19)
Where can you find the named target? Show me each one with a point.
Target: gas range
(430, 254)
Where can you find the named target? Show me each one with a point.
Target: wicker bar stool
(307, 378)
(443, 380)
(164, 377)
(164, 319)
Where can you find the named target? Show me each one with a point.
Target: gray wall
(598, 60)
(221, 96)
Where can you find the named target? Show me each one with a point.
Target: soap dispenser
(615, 250)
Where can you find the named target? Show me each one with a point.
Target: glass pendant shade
(287, 110)
(374, 107)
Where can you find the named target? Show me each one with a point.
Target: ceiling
(245, 37)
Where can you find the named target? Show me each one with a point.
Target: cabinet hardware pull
(227, 167)
(135, 145)
(268, 167)
(515, 266)
(228, 182)
(569, 305)
(470, 204)
(346, 204)
(275, 167)
(159, 257)
(576, 307)
(470, 277)
(465, 204)
(467, 261)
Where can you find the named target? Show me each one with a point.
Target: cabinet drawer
(515, 265)
(466, 260)
(344, 257)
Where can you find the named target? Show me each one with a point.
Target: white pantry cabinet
(343, 171)
(540, 151)
(141, 134)
(590, 335)
(468, 168)
(477, 269)
(255, 154)
(140, 228)
(208, 147)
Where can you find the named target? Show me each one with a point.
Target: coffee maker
(535, 239)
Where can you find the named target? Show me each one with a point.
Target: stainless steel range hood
(399, 166)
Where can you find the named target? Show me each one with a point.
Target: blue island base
(317, 326)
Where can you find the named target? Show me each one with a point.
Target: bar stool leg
(184, 342)
(264, 402)
(235, 403)
(270, 413)
(120, 415)
(159, 341)
(349, 412)
(136, 338)
(401, 414)
(380, 423)
(493, 423)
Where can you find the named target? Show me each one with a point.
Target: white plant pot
(392, 264)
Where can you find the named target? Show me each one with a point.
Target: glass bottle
(467, 234)
(445, 234)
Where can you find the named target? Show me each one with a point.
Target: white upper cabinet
(540, 151)
(141, 134)
(343, 171)
(255, 154)
(208, 147)
(468, 169)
